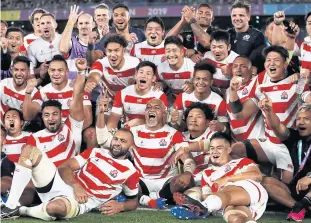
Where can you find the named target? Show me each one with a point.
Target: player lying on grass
(231, 185)
(87, 181)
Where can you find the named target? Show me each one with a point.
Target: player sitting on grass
(231, 185)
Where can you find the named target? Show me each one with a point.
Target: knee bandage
(29, 159)
(72, 206)
(231, 212)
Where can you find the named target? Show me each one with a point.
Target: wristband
(90, 47)
(236, 106)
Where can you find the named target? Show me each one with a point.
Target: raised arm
(203, 37)
(239, 110)
(65, 40)
(76, 106)
(30, 108)
(272, 119)
(177, 28)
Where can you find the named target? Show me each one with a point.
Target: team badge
(69, 102)
(188, 37)
(60, 137)
(163, 142)
(244, 91)
(227, 168)
(284, 95)
(113, 173)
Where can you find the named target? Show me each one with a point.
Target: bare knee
(57, 208)
(6, 183)
(236, 218)
(238, 150)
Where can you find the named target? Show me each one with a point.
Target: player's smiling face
(220, 50)
(20, 73)
(145, 77)
(120, 144)
(196, 121)
(115, 55)
(173, 54)
(275, 66)
(15, 40)
(12, 122)
(47, 27)
(239, 18)
(204, 16)
(219, 152)
(84, 24)
(52, 118)
(121, 18)
(155, 113)
(58, 72)
(241, 67)
(202, 81)
(303, 123)
(154, 33)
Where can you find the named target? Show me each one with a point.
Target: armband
(236, 106)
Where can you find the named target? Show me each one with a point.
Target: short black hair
(59, 58)
(147, 64)
(221, 135)
(203, 65)
(34, 12)
(51, 103)
(173, 40)
(205, 5)
(208, 112)
(20, 114)
(278, 49)
(220, 35)
(155, 19)
(21, 59)
(48, 14)
(115, 38)
(307, 16)
(120, 5)
(14, 29)
(5, 23)
(102, 6)
(241, 4)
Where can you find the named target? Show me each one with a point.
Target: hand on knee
(30, 156)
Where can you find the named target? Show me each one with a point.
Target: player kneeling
(87, 181)
(231, 185)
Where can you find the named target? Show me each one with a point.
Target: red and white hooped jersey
(220, 80)
(215, 101)
(305, 53)
(153, 150)
(29, 39)
(250, 128)
(61, 145)
(144, 51)
(64, 96)
(134, 105)
(10, 97)
(176, 79)
(105, 177)
(201, 158)
(285, 101)
(12, 146)
(116, 80)
(213, 173)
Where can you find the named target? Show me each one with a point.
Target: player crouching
(231, 185)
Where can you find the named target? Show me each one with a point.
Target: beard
(117, 154)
